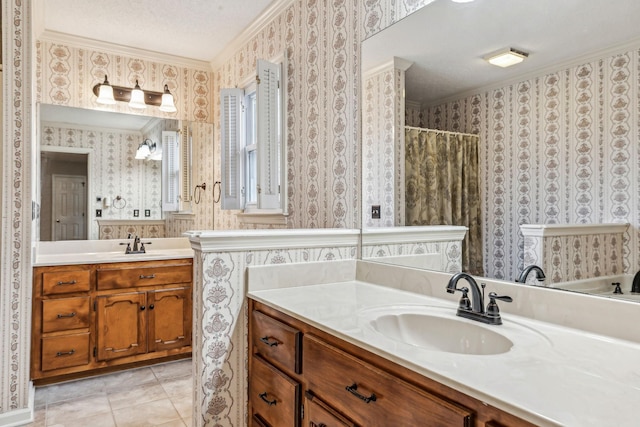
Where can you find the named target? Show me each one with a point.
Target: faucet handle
(493, 296)
(465, 302)
(492, 308)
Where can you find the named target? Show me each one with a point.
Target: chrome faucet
(474, 309)
(525, 273)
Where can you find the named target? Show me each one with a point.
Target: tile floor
(158, 395)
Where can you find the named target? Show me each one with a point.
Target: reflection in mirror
(556, 132)
(89, 173)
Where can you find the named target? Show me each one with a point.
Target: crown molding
(118, 49)
(269, 14)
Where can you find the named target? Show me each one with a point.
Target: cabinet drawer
(64, 282)
(65, 313)
(276, 342)
(65, 351)
(373, 397)
(121, 278)
(317, 413)
(273, 395)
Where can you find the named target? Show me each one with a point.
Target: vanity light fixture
(462, 1)
(506, 57)
(137, 98)
(148, 150)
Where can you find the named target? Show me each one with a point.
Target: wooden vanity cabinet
(344, 385)
(94, 318)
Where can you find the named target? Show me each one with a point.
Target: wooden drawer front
(64, 282)
(122, 278)
(276, 342)
(65, 313)
(65, 351)
(317, 413)
(376, 398)
(273, 395)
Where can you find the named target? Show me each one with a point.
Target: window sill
(266, 217)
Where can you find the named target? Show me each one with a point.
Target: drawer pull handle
(72, 314)
(120, 350)
(179, 338)
(263, 396)
(67, 353)
(353, 389)
(269, 343)
(151, 276)
(70, 282)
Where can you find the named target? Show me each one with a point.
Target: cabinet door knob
(142, 307)
(151, 306)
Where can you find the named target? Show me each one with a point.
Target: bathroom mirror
(557, 132)
(89, 172)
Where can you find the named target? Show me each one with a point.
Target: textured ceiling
(446, 41)
(195, 29)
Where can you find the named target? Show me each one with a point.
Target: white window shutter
(268, 103)
(231, 154)
(185, 162)
(170, 171)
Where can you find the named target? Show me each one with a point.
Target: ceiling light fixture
(462, 1)
(136, 97)
(506, 57)
(148, 150)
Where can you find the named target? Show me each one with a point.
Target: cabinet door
(121, 325)
(169, 318)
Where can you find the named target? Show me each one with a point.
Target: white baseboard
(22, 416)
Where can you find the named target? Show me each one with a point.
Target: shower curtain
(442, 186)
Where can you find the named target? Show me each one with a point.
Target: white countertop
(553, 375)
(105, 251)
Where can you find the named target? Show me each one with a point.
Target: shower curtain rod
(441, 131)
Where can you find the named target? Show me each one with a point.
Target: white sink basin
(434, 332)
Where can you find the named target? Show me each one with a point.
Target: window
(252, 143)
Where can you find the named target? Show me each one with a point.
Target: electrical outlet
(98, 199)
(375, 211)
(136, 213)
(98, 213)
(147, 212)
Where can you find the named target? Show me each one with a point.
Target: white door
(69, 207)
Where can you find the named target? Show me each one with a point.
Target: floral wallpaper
(560, 148)
(322, 124)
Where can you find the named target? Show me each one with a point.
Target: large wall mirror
(90, 174)
(557, 132)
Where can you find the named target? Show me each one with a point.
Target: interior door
(69, 207)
